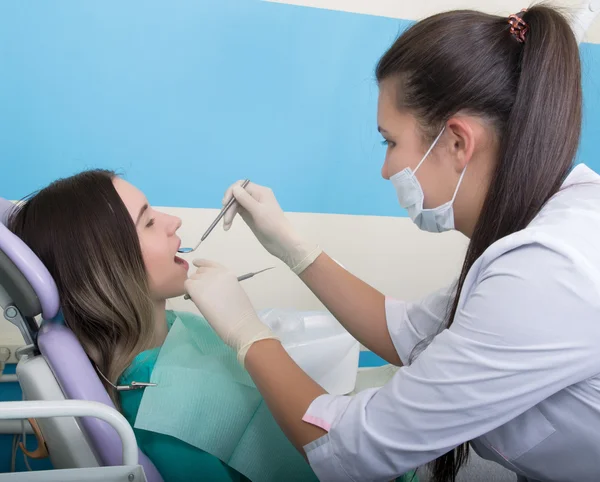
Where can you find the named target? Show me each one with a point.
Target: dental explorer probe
(242, 278)
(214, 223)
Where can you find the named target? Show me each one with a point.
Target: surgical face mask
(411, 197)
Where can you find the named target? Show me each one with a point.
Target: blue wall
(186, 97)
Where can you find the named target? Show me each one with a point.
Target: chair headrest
(23, 276)
(5, 208)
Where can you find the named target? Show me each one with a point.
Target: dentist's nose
(384, 171)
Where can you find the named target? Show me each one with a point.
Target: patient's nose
(174, 224)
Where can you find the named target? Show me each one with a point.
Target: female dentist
(482, 117)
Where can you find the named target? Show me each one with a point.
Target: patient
(114, 259)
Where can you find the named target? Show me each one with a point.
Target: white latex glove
(223, 302)
(260, 210)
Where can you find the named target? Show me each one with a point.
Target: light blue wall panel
(187, 96)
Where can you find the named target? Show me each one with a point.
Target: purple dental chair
(53, 365)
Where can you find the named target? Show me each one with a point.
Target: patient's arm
(360, 308)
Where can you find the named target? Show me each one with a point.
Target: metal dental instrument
(243, 277)
(251, 275)
(214, 223)
(125, 388)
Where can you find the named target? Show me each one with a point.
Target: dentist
(482, 117)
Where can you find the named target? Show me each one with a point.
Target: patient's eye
(150, 223)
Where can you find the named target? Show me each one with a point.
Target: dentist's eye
(387, 143)
(150, 223)
(384, 142)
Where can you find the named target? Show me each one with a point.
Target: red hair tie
(518, 26)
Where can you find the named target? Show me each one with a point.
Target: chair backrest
(29, 289)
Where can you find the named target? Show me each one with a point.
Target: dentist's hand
(260, 210)
(226, 306)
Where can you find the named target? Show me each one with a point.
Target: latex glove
(223, 302)
(260, 210)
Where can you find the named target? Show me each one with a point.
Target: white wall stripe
(413, 10)
(389, 253)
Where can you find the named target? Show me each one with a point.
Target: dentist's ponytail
(523, 75)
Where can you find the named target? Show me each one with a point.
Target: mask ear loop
(462, 175)
(429, 150)
(460, 179)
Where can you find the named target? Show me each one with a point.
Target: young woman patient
(114, 259)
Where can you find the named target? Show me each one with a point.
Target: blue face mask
(411, 197)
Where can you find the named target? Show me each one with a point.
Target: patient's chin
(178, 292)
(173, 290)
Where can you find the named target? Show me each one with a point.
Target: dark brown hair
(467, 61)
(81, 230)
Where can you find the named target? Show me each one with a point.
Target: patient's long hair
(81, 230)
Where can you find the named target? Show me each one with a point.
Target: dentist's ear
(462, 137)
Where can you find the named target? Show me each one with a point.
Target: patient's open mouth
(181, 262)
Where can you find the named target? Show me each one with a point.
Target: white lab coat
(518, 373)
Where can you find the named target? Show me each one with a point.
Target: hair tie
(518, 26)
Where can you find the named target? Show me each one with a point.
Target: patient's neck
(160, 323)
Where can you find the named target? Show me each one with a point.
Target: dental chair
(86, 438)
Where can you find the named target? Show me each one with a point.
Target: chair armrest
(76, 408)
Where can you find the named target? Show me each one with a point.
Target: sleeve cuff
(325, 409)
(323, 412)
